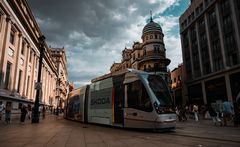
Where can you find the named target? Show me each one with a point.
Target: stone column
(3, 63)
(25, 75)
(199, 51)
(219, 24)
(16, 61)
(209, 41)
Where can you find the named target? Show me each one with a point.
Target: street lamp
(35, 116)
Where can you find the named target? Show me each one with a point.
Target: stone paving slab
(55, 131)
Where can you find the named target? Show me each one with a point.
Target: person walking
(195, 111)
(23, 114)
(43, 112)
(227, 112)
(2, 107)
(214, 115)
(8, 110)
(29, 111)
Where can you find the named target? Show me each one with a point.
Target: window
(28, 85)
(1, 14)
(36, 63)
(144, 51)
(146, 37)
(212, 18)
(179, 78)
(138, 97)
(197, 11)
(201, 7)
(12, 37)
(144, 67)
(151, 37)
(30, 57)
(19, 81)
(206, 3)
(156, 49)
(23, 46)
(7, 78)
(156, 66)
(156, 36)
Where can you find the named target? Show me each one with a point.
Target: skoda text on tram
(130, 99)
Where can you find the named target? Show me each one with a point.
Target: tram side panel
(100, 102)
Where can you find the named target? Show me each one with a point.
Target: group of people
(7, 111)
(183, 113)
(26, 112)
(220, 116)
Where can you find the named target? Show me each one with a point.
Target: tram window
(138, 97)
(160, 89)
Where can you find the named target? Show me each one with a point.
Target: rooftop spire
(151, 19)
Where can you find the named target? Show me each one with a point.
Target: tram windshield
(160, 89)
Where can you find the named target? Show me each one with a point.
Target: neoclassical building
(177, 85)
(60, 60)
(149, 56)
(19, 59)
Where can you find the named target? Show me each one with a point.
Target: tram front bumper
(166, 121)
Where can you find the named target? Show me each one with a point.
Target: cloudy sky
(94, 32)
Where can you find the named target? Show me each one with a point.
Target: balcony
(151, 56)
(156, 69)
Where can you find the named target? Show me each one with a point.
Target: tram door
(118, 98)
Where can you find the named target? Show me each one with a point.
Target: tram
(129, 99)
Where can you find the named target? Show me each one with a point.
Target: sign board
(38, 86)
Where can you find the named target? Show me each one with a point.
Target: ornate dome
(152, 26)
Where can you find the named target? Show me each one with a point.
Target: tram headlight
(158, 109)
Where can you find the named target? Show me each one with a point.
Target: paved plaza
(57, 132)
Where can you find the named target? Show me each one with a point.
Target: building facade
(210, 37)
(19, 57)
(177, 85)
(149, 56)
(60, 60)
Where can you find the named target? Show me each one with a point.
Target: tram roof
(115, 74)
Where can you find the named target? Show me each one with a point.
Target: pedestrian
(43, 112)
(23, 113)
(2, 107)
(8, 110)
(29, 111)
(195, 111)
(227, 112)
(184, 113)
(214, 115)
(178, 114)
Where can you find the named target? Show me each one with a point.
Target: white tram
(131, 99)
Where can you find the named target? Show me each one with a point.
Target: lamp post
(35, 116)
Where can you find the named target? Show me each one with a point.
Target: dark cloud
(93, 31)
